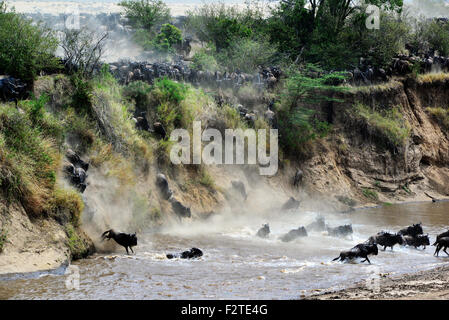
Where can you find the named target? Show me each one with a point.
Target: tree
(222, 24)
(82, 52)
(146, 14)
(25, 49)
(298, 24)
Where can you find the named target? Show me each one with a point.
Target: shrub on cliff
(298, 122)
(25, 48)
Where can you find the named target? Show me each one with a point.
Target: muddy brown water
(238, 265)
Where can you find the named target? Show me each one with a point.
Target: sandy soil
(30, 247)
(425, 285)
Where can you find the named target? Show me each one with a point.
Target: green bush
(82, 93)
(246, 55)
(204, 61)
(139, 92)
(168, 38)
(370, 194)
(25, 48)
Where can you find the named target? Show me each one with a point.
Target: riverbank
(424, 285)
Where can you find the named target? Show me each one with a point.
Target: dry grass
(441, 115)
(382, 87)
(430, 78)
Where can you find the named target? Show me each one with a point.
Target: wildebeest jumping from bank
(362, 250)
(386, 239)
(124, 239)
(413, 230)
(189, 254)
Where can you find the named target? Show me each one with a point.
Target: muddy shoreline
(430, 284)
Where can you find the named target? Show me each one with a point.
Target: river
(238, 265)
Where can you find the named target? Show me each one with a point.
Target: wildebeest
(76, 160)
(442, 235)
(11, 89)
(386, 239)
(298, 177)
(124, 239)
(181, 210)
(264, 231)
(189, 254)
(293, 234)
(240, 187)
(441, 243)
(162, 184)
(418, 241)
(76, 170)
(340, 231)
(413, 230)
(318, 225)
(159, 129)
(291, 203)
(362, 250)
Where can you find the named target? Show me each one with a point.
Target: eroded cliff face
(355, 163)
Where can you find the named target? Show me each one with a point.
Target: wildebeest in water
(362, 250)
(413, 230)
(124, 239)
(264, 231)
(188, 254)
(386, 239)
